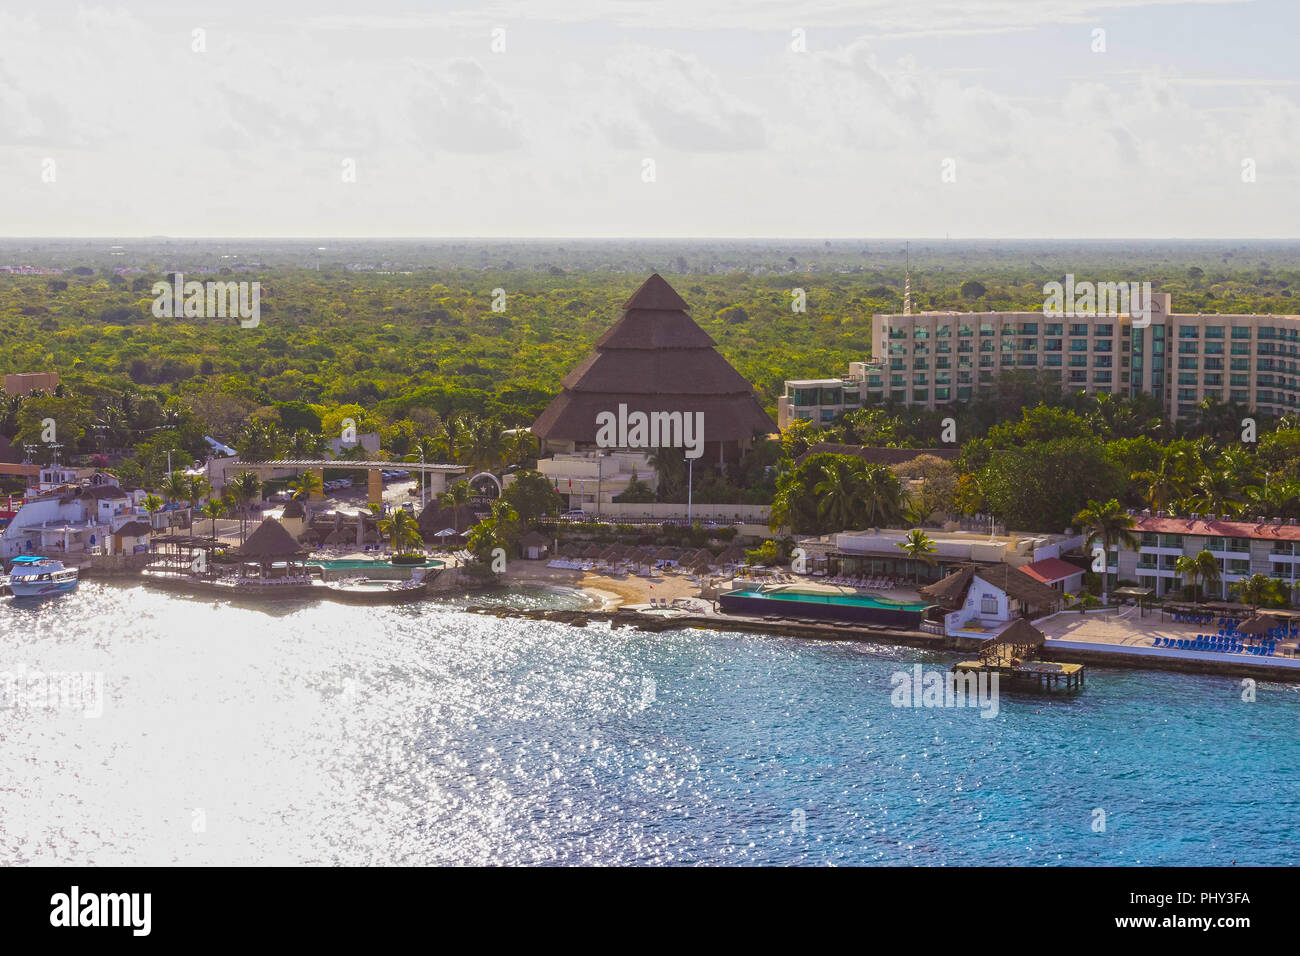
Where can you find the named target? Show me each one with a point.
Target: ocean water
(323, 734)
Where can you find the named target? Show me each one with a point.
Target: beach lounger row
(879, 584)
(1217, 643)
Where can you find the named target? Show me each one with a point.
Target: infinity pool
(355, 564)
(848, 600)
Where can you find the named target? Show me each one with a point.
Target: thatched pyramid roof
(270, 541)
(655, 358)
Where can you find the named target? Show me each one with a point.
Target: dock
(1013, 656)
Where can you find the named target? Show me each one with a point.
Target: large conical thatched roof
(270, 541)
(655, 359)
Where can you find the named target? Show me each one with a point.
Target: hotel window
(1078, 345)
(944, 347)
(986, 328)
(1214, 381)
(942, 362)
(1104, 331)
(986, 361)
(1054, 328)
(988, 604)
(1189, 332)
(1242, 398)
(1078, 329)
(1028, 328)
(1080, 377)
(1239, 380)
(920, 333)
(1215, 364)
(1212, 393)
(920, 363)
(986, 346)
(1053, 345)
(1186, 378)
(1240, 365)
(1240, 348)
(1029, 360)
(963, 347)
(1102, 346)
(1214, 331)
(1213, 348)
(1103, 378)
(1102, 361)
(1241, 332)
(1188, 363)
(944, 332)
(920, 380)
(964, 331)
(897, 381)
(1053, 360)
(1078, 361)
(920, 395)
(1189, 348)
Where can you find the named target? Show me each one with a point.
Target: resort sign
(211, 300)
(651, 430)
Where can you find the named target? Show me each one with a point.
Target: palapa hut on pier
(271, 544)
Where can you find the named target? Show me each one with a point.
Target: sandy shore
(612, 590)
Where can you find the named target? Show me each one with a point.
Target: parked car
(577, 514)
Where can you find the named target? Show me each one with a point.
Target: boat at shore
(36, 576)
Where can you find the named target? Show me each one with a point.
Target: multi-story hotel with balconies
(932, 359)
(1241, 547)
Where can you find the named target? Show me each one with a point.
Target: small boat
(35, 576)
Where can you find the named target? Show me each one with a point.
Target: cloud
(683, 105)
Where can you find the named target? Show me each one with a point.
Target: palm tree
(1204, 567)
(881, 495)
(152, 504)
(670, 465)
(307, 484)
(459, 494)
(196, 487)
(840, 497)
(1110, 524)
(213, 510)
(175, 488)
(1256, 589)
(482, 444)
(1216, 493)
(401, 530)
(918, 546)
(1167, 482)
(246, 486)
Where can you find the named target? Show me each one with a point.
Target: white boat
(35, 576)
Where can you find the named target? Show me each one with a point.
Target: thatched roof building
(656, 359)
(270, 541)
(952, 590)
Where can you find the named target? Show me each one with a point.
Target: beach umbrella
(1258, 626)
(592, 552)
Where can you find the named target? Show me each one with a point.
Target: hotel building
(1242, 548)
(934, 358)
(931, 359)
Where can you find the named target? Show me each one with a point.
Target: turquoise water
(854, 600)
(359, 563)
(324, 733)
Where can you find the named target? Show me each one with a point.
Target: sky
(654, 118)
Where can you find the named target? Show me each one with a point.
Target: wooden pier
(1012, 656)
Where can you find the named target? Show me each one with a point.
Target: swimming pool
(355, 564)
(844, 607)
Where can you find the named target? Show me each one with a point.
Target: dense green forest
(420, 355)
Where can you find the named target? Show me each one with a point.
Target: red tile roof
(1220, 529)
(1051, 570)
